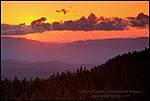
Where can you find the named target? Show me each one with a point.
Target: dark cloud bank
(90, 23)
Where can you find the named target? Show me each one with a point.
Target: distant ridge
(78, 52)
(124, 77)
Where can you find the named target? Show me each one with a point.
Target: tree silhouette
(129, 71)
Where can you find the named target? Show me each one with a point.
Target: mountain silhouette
(79, 52)
(30, 70)
(124, 77)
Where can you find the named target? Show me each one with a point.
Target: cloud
(114, 23)
(92, 22)
(141, 21)
(62, 10)
(7, 29)
(39, 24)
(142, 16)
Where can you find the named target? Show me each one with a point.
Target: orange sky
(70, 36)
(15, 12)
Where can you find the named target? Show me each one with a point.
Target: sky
(16, 12)
(92, 26)
(71, 36)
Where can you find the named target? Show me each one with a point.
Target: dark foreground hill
(126, 76)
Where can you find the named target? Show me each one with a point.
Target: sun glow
(70, 36)
(24, 11)
(18, 12)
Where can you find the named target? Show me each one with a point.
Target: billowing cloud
(39, 24)
(101, 23)
(18, 29)
(114, 23)
(140, 21)
(92, 22)
(63, 11)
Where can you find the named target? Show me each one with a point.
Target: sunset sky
(16, 12)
